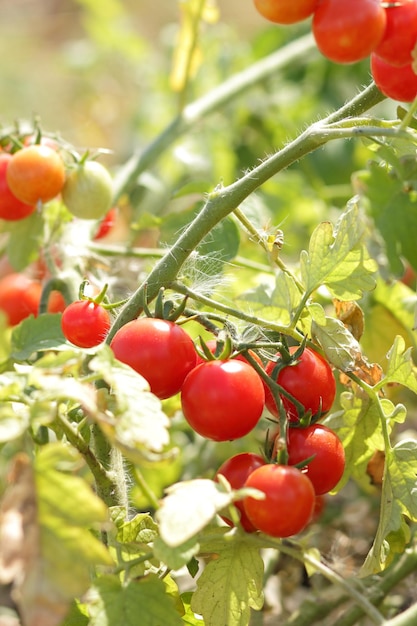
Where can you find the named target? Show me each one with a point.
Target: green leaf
(276, 304)
(37, 334)
(337, 258)
(190, 618)
(145, 600)
(138, 422)
(401, 368)
(398, 502)
(393, 206)
(188, 508)
(358, 426)
(230, 586)
(339, 345)
(175, 557)
(141, 528)
(53, 551)
(402, 470)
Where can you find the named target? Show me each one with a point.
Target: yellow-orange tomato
(36, 174)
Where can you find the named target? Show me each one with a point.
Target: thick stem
(222, 201)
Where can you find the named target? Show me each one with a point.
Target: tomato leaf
(339, 345)
(337, 257)
(145, 599)
(36, 334)
(401, 368)
(358, 426)
(197, 501)
(47, 549)
(398, 499)
(175, 557)
(388, 196)
(235, 581)
(136, 422)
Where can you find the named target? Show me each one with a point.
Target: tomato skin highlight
(85, 323)
(348, 31)
(310, 381)
(326, 468)
(36, 174)
(11, 208)
(237, 470)
(289, 500)
(222, 400)
(398, 83)
(285, 11)
(160, 350)
(400, 36)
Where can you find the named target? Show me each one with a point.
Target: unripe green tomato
(88, 191)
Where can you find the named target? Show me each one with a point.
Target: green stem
(406, 618)
(246, 317)
(104, 483)
(299, 50)
(223, 200)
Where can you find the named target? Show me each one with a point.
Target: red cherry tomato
(288, 504)
(11, 208)
(85, 323)
(310, 381)
(328, 463)
(106, 225)
(237, 470)
(398, 83)
(20, 297)
(222, 400)
(347, 31)
(400, 36)
(285, 11)
(36, 173)
(160, 350)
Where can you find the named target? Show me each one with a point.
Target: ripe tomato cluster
(32, 174)
(293, 492)
(223, 398)
(347, 31)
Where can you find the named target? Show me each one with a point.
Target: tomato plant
(88, 190)
(11, 208)
(36, 174)
(309, 380)
(324, 450)
(288, 504)
(347, 32)
(85, 323)
(233, 225)
(236, 470)
(160, 350)
(222, 400)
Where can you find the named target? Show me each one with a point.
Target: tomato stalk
(223, 200)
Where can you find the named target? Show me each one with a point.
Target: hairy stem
(223, 200)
